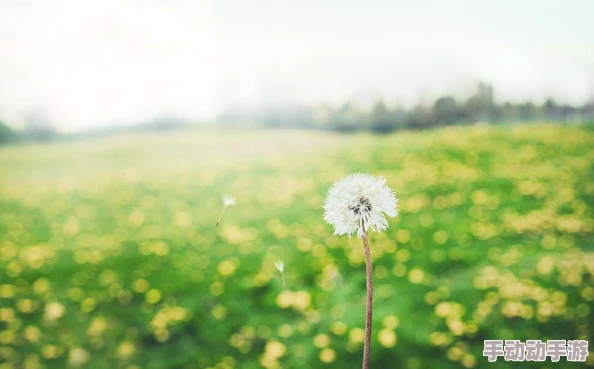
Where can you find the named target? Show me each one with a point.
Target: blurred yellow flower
(54, 311)
(321, 340)
(153, 296)
(387, 337)
(327, 355)
(356, 335)
(78, 356)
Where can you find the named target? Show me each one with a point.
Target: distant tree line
(37, 129)
(446, 110)
(7, 134)
(480, 106)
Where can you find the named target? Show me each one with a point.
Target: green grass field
(109, 257)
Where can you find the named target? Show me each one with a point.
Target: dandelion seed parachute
(280, 266)
(228, 200)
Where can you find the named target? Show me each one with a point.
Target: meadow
(109, 257)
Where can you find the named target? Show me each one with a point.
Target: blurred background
(124, 123)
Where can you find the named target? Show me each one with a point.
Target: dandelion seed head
(228, 200)
(279, 265)
(359, 202)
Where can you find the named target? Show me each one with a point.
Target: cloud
(110, 61)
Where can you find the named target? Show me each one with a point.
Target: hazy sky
(88, 63)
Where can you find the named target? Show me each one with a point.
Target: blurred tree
(588, 110)
(566, 112)
(508, 112)
(447, 111)
(38, 127)
(480, 105)
(550, 109)
(7, 134)
(420, 117)
(381, 119)
(527, 111)
(399, 114)
(347, 119)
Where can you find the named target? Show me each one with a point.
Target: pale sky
(92, 63)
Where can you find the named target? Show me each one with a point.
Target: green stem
(368, 308)
(219, 221)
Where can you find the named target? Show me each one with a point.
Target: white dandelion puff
(358, 203)
(227, 201)
(280, 266)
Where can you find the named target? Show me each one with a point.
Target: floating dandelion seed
(281, 267)
(359, 203)
(227, 201)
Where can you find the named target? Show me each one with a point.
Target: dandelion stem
(368, 308)
(221, 216)
(283, 278)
